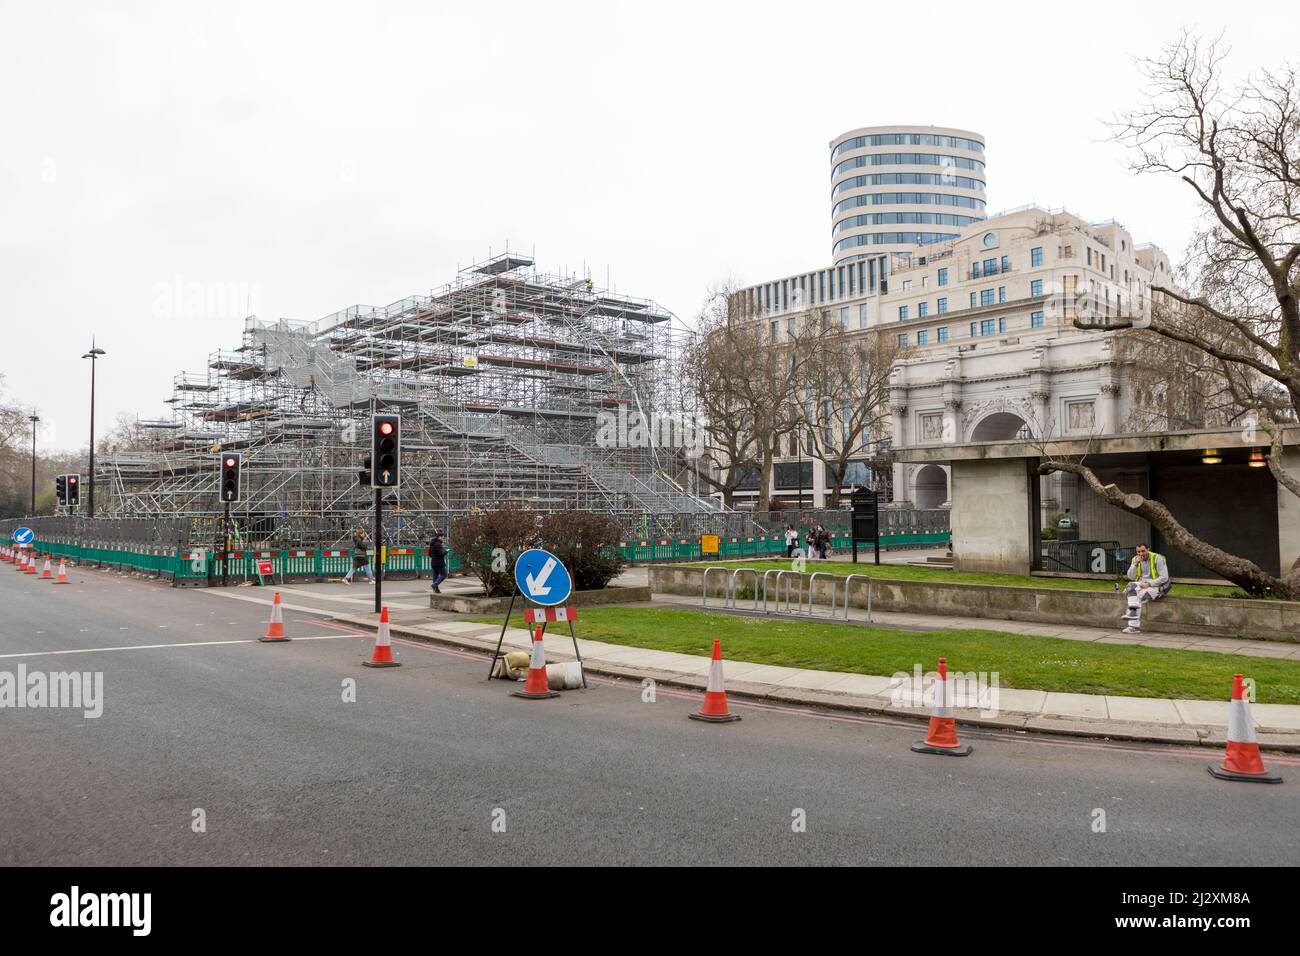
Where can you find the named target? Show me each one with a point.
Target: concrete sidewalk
(1119, 718)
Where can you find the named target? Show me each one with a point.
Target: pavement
(214, 749)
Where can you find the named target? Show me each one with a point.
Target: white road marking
(325, 612)
(154, 647)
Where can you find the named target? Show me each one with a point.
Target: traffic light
(386, 451)
(363, 475)
(229, 489)
(61, 489)
(74, 490)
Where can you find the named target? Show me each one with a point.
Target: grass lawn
(1022, 661)
(908, 572)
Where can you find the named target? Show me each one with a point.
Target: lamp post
(33, 419)
(93, 354)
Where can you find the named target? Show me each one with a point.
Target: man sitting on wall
(1148, 575)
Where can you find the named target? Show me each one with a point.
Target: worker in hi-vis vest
(1148, 575)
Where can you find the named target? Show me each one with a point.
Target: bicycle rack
(779, 578)
(812, 581)
(848, 582)
(752, 571)
(704, 596)
(776, 571)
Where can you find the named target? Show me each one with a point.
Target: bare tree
(846, 393)
(1238, 152)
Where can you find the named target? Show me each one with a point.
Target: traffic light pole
(379, 544)
(225, 548)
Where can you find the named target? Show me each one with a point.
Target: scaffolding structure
(501, 378)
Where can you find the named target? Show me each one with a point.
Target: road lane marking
(154, 647)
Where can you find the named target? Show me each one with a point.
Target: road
(430, 755)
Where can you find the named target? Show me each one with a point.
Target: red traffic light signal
(385, 428)
(228, 487)
(385, 451)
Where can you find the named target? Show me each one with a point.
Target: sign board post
(541, 578)
(865, 520)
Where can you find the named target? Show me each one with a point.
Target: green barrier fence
(198, 566)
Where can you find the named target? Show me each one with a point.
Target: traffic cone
(31, 564)
(46, 573)
(275, 626)
(536, 687)
(62, 576)
(18, 562)
(714, 708)
(942, 737)
(383, 654)
(1242, 761)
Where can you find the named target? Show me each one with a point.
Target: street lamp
(93, 354)
(33, 419)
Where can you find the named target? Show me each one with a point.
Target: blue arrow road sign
(23, 535)
(542, 578)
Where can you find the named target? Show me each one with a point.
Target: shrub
(587, 543)
(477, 537)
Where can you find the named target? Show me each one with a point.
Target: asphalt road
(430, 755)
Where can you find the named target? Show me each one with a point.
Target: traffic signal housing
(74, 491)
(61, 489)
(385, 451)
(229, 487)
(363, 475)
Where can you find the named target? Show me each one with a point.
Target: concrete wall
(1221, 617)
(990, 516)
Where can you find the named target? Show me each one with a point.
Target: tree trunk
(1241, 572)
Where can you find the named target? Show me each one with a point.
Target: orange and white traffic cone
(383, 653)
(942, 737)
(714, 709)
(31, 565)
(536, 687)
(62, 576)
(1242, 761)
(275, 626)
(20, 561)
(47, 574)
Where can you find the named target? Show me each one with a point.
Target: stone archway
(1002, 426)
(931, 487)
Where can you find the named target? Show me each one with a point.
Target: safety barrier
(765, 546)
(197, 566)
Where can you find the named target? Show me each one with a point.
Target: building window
(943, 306)
(907, 285)
(1036, 287)
(975, 270)
(862, 316)
(974, 329)
(942, 333)
(1002, 293)
(1068, 252)
(1035, 320)
(774, 328)
(943, 276)
(923, 337)
(972, 300)
(1006, 264)
(902, 313)
(844, 318)
(1036, 256)
(922, 309)
(986, 297)
(1090, 255)
(986, 327)
(990, 267)
(902, 341)
(789, 325)
(1002, 325)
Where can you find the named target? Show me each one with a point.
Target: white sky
(309, 156)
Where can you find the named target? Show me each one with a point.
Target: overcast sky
(300, 158)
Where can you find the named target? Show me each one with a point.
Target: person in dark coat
(437, 561)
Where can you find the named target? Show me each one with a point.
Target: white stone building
(985, 317)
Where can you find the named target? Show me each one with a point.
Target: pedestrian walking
(437, 562)
(791, 540)
(360, 557)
